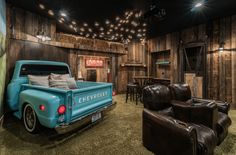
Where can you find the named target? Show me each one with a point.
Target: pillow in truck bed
(39, 80)
(59, 76)
(61, 84)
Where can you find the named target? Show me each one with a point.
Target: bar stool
(132, 92)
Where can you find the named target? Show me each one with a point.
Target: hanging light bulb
(82, 29)
(107, 22)
(90, 30)
(50, 12)
(117, 18)
(96, 24)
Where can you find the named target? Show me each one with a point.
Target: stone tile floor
(119, 133)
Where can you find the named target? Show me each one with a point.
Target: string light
(82, 29)
(107, 22)
(96, 24)
(50, 12)
(60, 21)
(41, 6)
(123, 28)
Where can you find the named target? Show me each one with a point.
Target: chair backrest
(156, 97)
(180, 92)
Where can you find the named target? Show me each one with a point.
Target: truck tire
(30, 119)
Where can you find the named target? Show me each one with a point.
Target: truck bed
(89, 98)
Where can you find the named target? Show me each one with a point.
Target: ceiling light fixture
(63, 14)
(197, 5)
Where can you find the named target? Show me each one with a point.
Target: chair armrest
(222, 106)
(161, 132)
(201, 113)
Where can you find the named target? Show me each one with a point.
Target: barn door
(193, 68)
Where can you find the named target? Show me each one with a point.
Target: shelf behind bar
(163, 62)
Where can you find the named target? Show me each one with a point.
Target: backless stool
(132, 92)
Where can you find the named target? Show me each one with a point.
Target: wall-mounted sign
(94, 63)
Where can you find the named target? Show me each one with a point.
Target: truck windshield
(31, 69)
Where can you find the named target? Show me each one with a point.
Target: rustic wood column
(233, 46)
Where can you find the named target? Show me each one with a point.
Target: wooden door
(193, 68)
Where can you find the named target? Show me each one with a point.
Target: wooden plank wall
(233, 45)
(24, 25)
(136, 54)
(23, 50)
(23, 44)
(221, 67)
(165, 43)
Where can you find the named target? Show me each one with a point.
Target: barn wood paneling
(221, 67)
(136, 54)
(23, 44)
(233, 61)
(23, 50)
(24, 25)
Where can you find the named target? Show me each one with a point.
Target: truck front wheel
(30, 119)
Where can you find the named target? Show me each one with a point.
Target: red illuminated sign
(94, 63)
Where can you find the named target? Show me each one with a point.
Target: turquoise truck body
(90, 98)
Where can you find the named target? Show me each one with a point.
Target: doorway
(94, 68)
(193, 68)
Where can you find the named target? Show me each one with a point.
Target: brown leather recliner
(165, 130)
(182, 92)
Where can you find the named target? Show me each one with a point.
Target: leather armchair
(182, 93)
(205, 114)
(166, 130)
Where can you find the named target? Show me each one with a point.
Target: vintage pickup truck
(53, 107)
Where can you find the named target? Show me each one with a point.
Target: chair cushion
(180, 92)
(156, 97)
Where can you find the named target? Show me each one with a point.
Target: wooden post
(233, 45)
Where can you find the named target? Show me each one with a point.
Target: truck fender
(36, 98)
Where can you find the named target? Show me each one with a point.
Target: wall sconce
(42, 36)
(221, 47)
